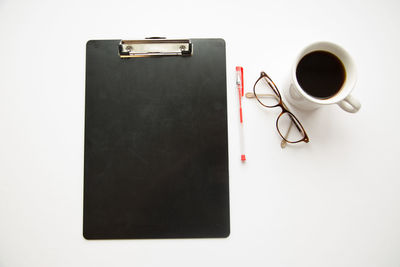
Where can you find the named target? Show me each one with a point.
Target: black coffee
(320, 74)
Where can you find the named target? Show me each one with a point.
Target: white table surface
(332, 202)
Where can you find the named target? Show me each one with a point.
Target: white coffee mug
(299, 98)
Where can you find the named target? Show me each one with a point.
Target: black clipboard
(156, 142)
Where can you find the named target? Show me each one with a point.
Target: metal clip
(155, 47)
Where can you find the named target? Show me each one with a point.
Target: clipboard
(156, 139)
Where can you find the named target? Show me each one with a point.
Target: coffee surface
(321, 74)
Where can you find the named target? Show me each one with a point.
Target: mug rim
(346, 88)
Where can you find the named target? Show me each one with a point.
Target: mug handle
(350, 104)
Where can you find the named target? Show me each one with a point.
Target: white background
(332, 202)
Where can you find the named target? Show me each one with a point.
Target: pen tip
(243, 157)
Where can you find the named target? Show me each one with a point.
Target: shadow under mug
(299, 98)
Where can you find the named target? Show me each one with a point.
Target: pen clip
(239, 79)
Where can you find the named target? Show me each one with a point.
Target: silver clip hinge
(155, 47)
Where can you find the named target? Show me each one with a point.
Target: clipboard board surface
(156, 144)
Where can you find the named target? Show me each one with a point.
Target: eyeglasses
(268, 95)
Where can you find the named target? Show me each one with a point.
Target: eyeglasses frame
(284, 108)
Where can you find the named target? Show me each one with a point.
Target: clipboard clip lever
(155, 47)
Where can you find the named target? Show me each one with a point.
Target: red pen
(240, 87)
